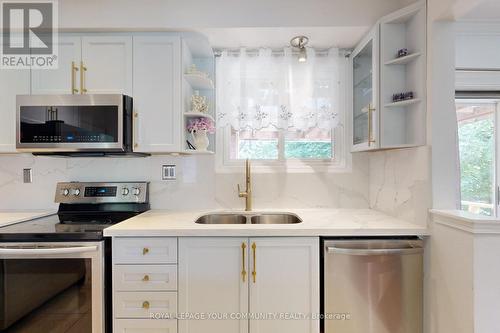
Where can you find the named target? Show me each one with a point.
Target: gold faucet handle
(240, 193)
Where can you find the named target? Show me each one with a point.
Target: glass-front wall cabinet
(365, 76)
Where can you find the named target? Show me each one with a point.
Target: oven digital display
(100, 191)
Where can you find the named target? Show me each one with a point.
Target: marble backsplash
(197, 185)
(194, 186)
(394, 182)
(300, 190)
(400, 183)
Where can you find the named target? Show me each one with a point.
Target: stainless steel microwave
(91, 125)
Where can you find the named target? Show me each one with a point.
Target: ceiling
(234, 23)
(319, 37)
(486, 10)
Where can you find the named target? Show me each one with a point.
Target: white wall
(477, 46)
(449, 281)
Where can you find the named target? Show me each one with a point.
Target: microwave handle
(55, 250)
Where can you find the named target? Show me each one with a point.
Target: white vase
(200, 139)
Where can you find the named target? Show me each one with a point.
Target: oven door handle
(55, 250)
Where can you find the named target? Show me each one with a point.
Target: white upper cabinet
(94, 64)
(365, 75)
(403, 123)
(65, 78)
(379, 73)
(286, 281)
(107, 64)
(12, 82)
(157, 94)
(211, 280)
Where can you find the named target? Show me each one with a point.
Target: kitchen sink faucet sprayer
(248, 190)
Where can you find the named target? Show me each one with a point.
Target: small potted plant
(199, 128)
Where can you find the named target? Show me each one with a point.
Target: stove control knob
(76, 192)
(125, 191)
(136, 191)
(65, 192)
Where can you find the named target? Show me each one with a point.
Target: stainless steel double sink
(249, 218)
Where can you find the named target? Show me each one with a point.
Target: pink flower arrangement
(199, 124)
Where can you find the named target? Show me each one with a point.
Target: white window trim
(496, 158)
(340, 163)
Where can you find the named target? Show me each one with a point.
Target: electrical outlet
(27, 176)
(168, 172)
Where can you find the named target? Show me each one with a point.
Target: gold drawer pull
(145, 251)
(145, 278)
(243, 271)
(145, 305)
(74, 69)
(83, 69)
(254, 273)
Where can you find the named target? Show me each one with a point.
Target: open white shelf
(403, 60)
(198, 115)
(403, 103)
(199, 82)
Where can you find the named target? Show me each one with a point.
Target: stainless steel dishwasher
(373, 286)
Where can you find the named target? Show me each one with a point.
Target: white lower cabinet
(286, 284)
(216, 284)
(211, 281)
(145, 304)
(145, 277)
(234, 277)
(144, 284)
(145, 326)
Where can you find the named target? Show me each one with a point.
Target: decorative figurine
(402, 52)
(199, 103)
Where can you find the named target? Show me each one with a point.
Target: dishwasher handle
(373, 252)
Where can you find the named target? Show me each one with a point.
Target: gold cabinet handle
(136, 128)
(254, 273)
(145, 251)
(370, 125)
(243, 271)
(145, 278)
(74, 69)
(83, 69)
(145, 305)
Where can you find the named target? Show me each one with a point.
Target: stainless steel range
(55, 272)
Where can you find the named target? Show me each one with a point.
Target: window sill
(465, 221)
(303, 167)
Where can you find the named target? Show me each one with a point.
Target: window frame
(227, 165)
(486, 95)
(340, 163)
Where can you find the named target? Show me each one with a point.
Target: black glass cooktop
(62, 228)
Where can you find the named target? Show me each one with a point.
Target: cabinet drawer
(145, 326)
(144, 304)
(145, 277)
(145, 250)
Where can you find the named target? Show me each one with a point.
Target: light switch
(27, 175)
(168, 172)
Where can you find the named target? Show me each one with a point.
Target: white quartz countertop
(12, 217)
(315, 222)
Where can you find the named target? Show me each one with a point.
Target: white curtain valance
(263, 90)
